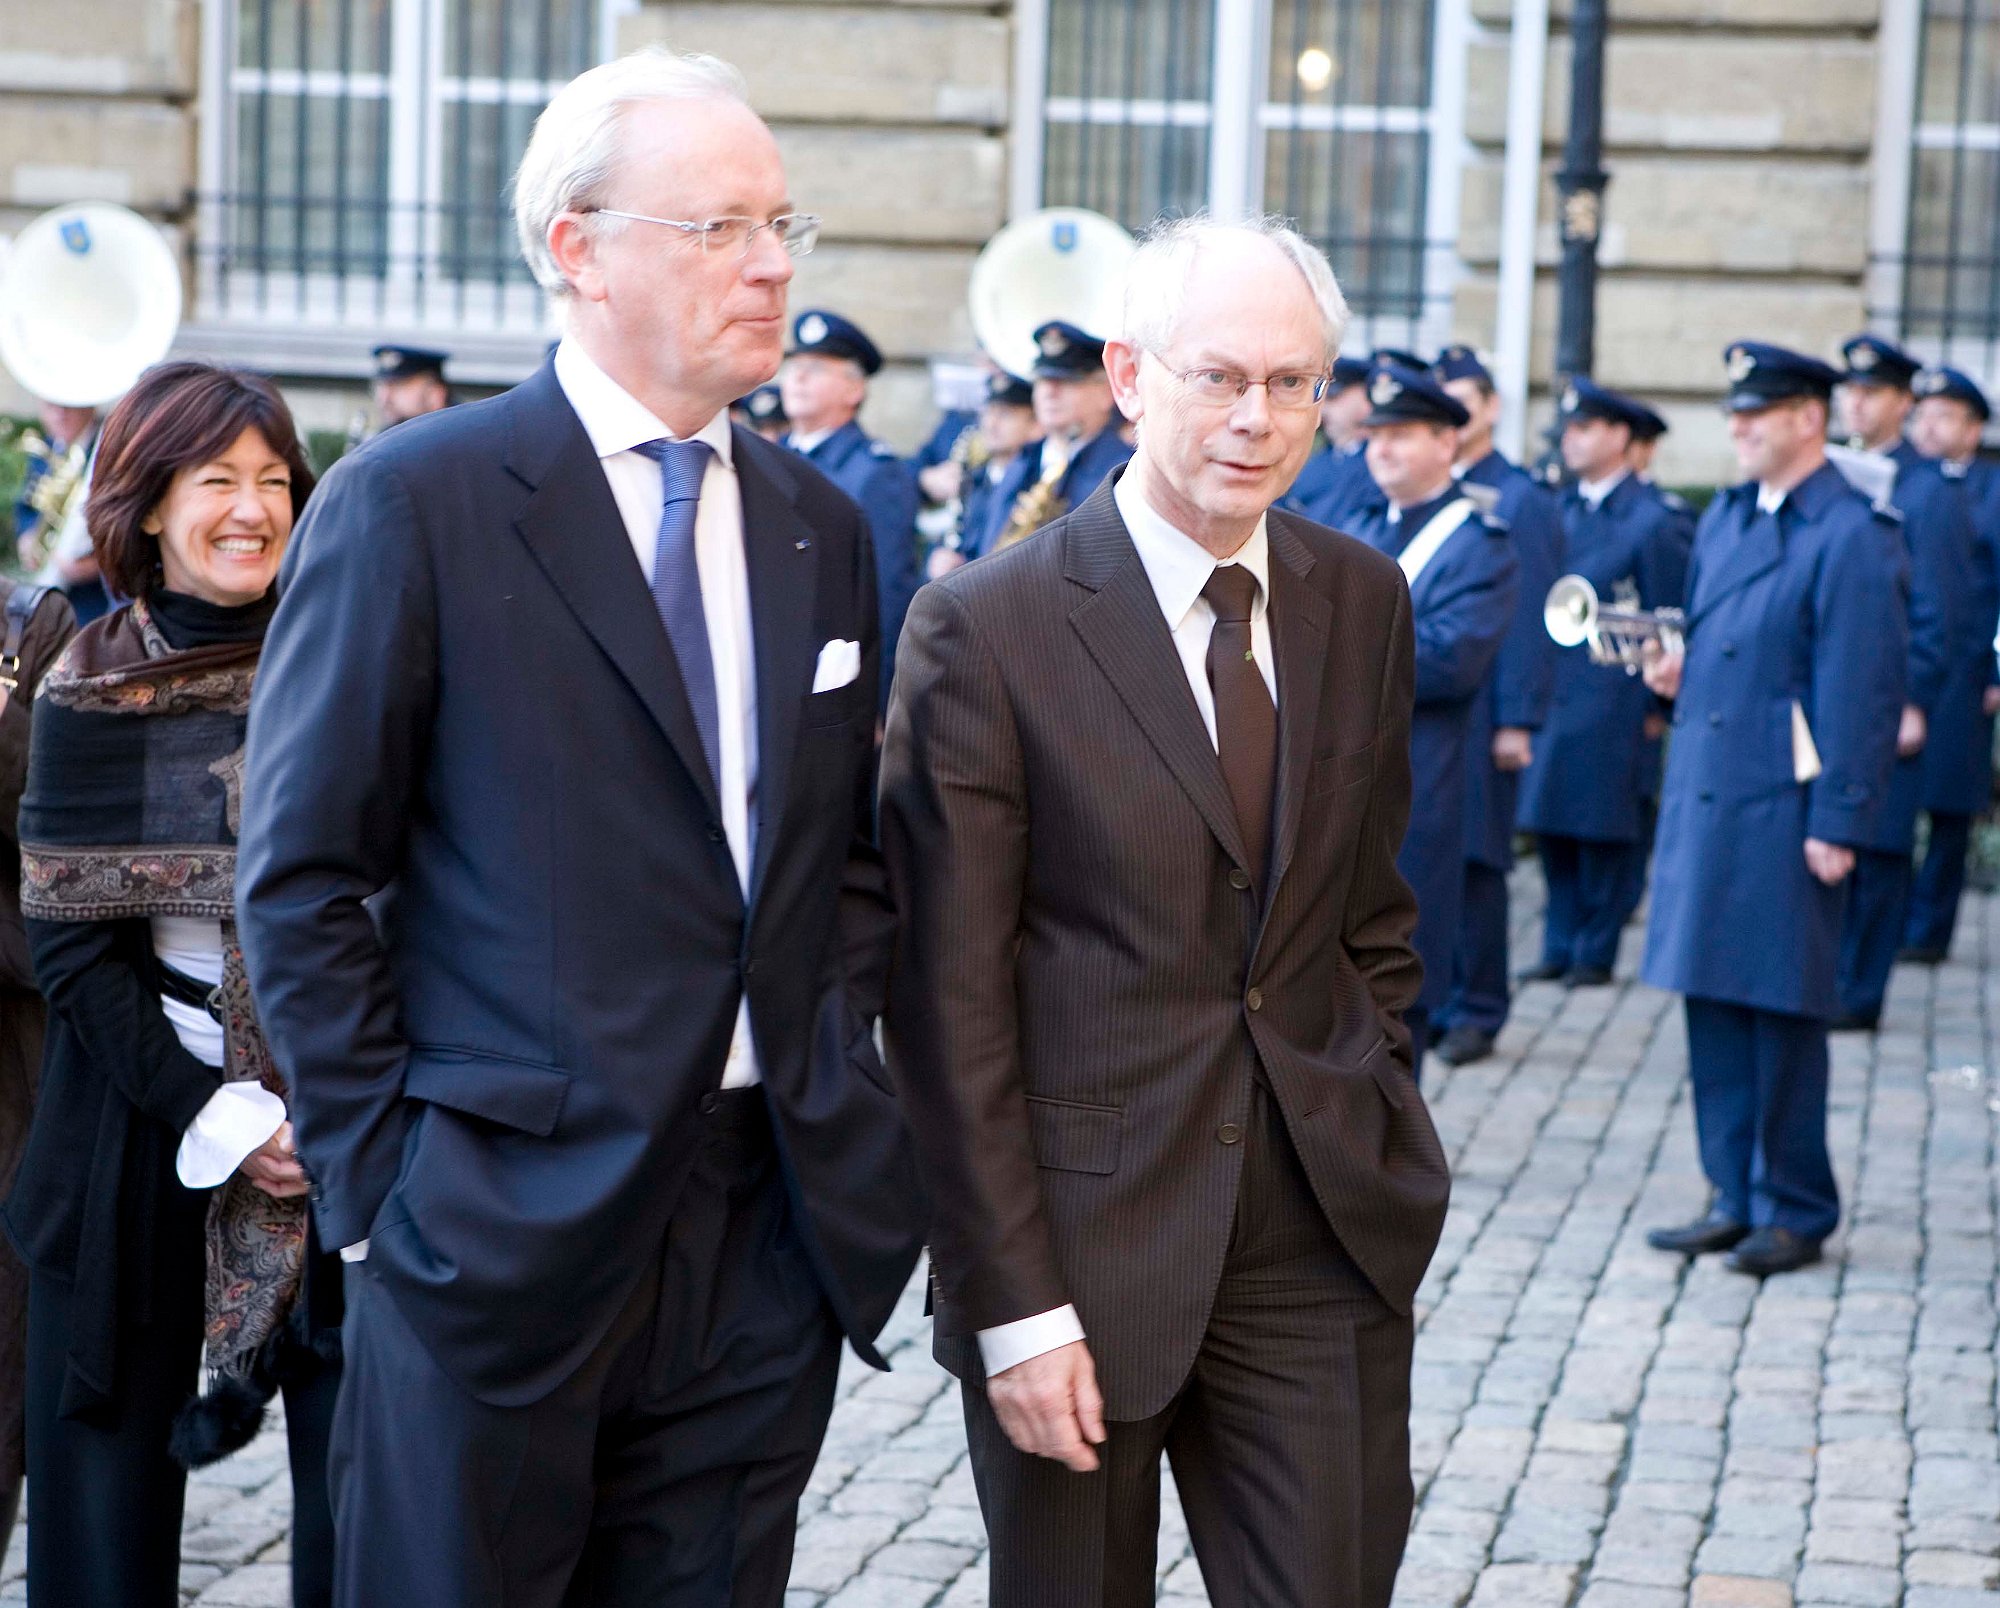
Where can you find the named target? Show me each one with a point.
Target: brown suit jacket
(1084, 982)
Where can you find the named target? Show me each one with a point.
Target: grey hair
(572, 155)
(1156, 279)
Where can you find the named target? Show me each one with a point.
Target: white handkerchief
(839, 663)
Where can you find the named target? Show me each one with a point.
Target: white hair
(573, 154)
(1156, 279)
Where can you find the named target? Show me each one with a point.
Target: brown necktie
(1246, 721)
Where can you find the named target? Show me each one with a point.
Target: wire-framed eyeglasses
(1222, 388)
(796, 232)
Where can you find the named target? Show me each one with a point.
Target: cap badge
(1571, 401)
(812, 330)
(1862, 358)
(1742, 364)
(1932, 382)
(1384, 389)
(1053, 343)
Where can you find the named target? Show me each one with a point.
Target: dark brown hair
(178, 415)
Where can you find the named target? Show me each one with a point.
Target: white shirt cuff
(357, 1252)
(1011, 1344)
(237, 1119)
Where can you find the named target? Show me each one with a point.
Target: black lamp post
(1580, 182)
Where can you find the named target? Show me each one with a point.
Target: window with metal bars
(1951, 259)
(1338, 129)
(366, 154)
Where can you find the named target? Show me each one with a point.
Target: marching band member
(1461, 568)
(1335, 479)
(1875, 400)
(1950, 416)
(1587, 794)
(1786, 702)
(1505, 717)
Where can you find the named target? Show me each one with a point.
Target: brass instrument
(1041, 502)
(55, 493)
(1617, 635)
(944, 523)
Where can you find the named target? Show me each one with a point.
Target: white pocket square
(839, 663)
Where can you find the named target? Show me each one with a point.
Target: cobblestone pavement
(1595, 1424)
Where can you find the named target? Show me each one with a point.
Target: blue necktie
(677, 584)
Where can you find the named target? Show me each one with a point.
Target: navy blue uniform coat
(467, 692)
(1958, 759)
(1463, 603)
(1095, 459)
(1594, 766)
(1334, 486)
(886, 489)
(1524, 671)
(1807, 607)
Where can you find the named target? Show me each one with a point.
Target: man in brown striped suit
(1145, 779)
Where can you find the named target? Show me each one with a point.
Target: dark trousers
(1289, 1442)
(665, 1472)
(22, 1018)
(1593, 888)
(1940, 883)
(1872, 930)
(1760, 1115)
(104, 1498)
(1479, 957)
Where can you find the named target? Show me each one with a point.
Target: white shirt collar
(1770, 499)
(1177, 564)
(1595, 491)
(614, 419)
(806, 440)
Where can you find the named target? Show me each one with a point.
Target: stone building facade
(1765, 156)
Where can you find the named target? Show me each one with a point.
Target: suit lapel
(783, 563)
(1300, 621)
(572, 526)
(1123, 630)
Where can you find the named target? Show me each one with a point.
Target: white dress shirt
(1595, 491)
(1771, 498)
(617, 422)
(238, 1116)
(1179, 567)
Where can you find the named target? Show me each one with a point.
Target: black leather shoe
(1715, 1232)
(1914, 956)
(1586, 977)
(1547, 972)
(1463, 1045)
(1773, 1250)
(1851, 1022)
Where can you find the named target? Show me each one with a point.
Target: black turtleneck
(188, 622)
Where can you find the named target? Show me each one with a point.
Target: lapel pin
(801, 546)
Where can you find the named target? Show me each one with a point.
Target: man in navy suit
(1462, 569)
(1080, 442)
(588, 679)
(1875, 400)
(1505, 719)
(1587, 794)
(1786, 703)
(823, 383)
(1949, 420)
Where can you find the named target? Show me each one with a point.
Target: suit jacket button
(714, 833)
(1238, 877)
(708, 1104)
(1715, 717)
(1229, 1133)
(1254, 999)
(1707, 796)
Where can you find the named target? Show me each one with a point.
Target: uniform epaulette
(1676, 502)
(881, 449)
(1483, 497)
(1886, 510)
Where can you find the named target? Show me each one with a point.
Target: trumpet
(1615, 635)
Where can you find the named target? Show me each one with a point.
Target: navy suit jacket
(1807, 608)
(467, 693)
(1463, 603)
(885, 487)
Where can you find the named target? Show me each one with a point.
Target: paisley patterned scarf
(133, 813)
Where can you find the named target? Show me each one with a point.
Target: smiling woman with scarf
(174, 1282)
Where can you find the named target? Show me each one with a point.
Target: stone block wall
(893, 121)
(1738, 134)
(96, 104)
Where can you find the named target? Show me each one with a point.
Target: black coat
(467, 690)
